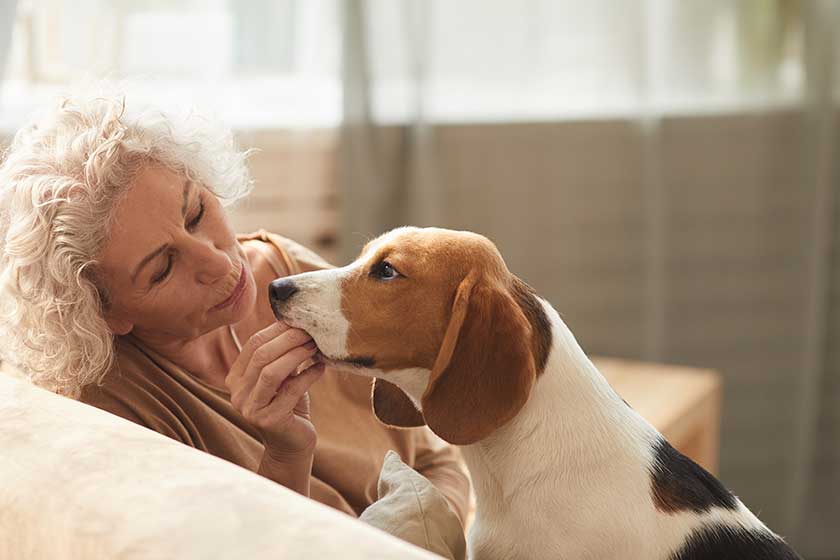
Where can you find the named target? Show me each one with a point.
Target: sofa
(79, 483)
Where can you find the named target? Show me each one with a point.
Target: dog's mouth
(348, 363)
(343, 362)
(361, 361)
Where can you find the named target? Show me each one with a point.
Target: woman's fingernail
(309, 345)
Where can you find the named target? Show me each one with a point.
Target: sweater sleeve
(301, 259)
(140, 403)
(442, 464)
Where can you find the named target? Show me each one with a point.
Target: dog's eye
(384, 271)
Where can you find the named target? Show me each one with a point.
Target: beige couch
(79, 483)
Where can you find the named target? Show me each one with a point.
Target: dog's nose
(281, 290)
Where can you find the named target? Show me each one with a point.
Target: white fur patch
(316, 309)
(412, 381)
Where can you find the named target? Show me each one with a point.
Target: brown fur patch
(484, 373)
(400, 323)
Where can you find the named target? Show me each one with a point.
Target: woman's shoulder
(131, 389)
(123, 377)
(294, 257)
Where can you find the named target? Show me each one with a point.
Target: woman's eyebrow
(148, 258)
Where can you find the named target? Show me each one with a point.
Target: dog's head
(435, 313)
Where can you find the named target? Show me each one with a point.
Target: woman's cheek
(249, 298)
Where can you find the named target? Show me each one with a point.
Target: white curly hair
(60, 181)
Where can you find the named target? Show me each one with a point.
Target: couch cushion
(79, 483)
(410, 507)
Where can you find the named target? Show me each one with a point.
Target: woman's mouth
(236, 293)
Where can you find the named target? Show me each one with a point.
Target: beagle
(562, 466)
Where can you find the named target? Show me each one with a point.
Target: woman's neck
(208, 357)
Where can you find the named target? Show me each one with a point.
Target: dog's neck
(573, 430)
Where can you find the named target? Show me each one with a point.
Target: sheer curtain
(7, 20)
(662, 171)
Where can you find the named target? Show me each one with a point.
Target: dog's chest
(577, 523)
(553, 490)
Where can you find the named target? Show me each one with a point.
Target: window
(266, 63)
(258, 63)
(545, 59)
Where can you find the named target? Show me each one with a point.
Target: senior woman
(124, 286)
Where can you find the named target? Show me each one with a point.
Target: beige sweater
(150, 390)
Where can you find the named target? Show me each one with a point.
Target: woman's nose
(211, 262)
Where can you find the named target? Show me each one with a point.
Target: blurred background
(662, 171)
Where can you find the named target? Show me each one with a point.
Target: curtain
(815, 488)
(7, 20)
(663, 172)
(387, 173)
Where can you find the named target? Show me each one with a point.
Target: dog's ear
(393, 407)
(485, 369)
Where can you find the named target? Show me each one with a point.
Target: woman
(125, 286)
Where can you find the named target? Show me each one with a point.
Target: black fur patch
(678, 483)
(526, 298)
(727, 543)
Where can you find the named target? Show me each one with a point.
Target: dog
(562, 466)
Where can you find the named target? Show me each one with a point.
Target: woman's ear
(485, 368)
(118, 326)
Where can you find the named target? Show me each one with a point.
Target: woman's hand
(264, 390)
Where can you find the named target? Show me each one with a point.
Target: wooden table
(681, 402)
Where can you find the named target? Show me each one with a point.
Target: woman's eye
(384, 271)
(195, 221)
(165, 272)
(191, 225)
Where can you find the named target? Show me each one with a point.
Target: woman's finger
(275, 375)
(293, 389)
(270, 351)
(257, 340)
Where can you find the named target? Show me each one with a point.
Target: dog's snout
(281, 290)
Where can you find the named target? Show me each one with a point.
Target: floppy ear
(393, 407)
(484, 371)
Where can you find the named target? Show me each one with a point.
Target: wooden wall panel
(295, 187)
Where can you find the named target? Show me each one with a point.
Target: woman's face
(172, 266)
